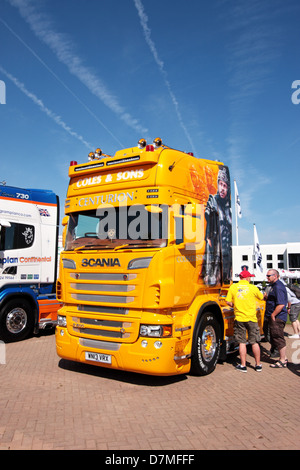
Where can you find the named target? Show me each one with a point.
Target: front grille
(113, 299)
(100, 309)
(96, 344)
(103, 287)
(97, 322)
(101, 327)
(104, 333)
(97, 291)
(101, 300)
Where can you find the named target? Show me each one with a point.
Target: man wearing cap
(242, 296)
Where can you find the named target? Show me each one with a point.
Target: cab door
(188, 252)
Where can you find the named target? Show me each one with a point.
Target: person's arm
(229, 297)
(277, 310)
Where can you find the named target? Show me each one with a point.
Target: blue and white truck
(29, 224)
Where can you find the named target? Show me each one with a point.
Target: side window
(179, 227)
(17, 236)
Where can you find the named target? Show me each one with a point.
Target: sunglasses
(269, 275)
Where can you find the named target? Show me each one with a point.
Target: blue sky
(211, 77)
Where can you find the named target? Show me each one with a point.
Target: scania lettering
(147, 263)
(28, 261)
(100, 262)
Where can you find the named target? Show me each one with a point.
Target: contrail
(57, 119)
(60, 81)
(147, 33)
(62, 47)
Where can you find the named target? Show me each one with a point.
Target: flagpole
(236, 215)
(254, 257)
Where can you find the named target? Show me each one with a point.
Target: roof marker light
(142, 143)
(150, 148)
(98, 153)
(157, 142)
(73, 163)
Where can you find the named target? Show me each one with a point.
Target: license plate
(97, 357)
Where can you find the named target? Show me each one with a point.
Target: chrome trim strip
(103, 276)
(97, 322)
(106, 333)
(93, 343)
(184, 328)
(100, 309)
(102, 287)
(185, 356)
(103, 298)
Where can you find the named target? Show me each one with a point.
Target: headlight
(156, 331)
(61, 320)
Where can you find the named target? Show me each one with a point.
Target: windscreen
(135, 226)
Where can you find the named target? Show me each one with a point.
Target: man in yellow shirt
(242, 296)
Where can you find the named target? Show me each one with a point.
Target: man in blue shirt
(276, 313)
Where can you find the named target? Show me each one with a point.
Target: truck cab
(28, 261)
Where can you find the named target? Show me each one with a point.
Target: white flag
(257, 252)
(237, 201)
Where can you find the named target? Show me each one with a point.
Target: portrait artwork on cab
(213, 185)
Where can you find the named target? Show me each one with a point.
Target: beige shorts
(246, 331)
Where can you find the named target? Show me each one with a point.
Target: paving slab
(47, 403)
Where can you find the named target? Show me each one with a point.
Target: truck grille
(98, 296)
(99, 309)
(107, 329)
(90, 291)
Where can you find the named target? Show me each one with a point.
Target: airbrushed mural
(212, 184)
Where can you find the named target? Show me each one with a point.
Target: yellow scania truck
(146, 262)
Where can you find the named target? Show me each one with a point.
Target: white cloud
(147, 33)
(63, 48)
(57, 119)
(60, 81)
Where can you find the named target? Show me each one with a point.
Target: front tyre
(16, 320)
(206, 345)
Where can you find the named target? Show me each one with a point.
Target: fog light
(158, 344)
(62, 332)
(144, 343)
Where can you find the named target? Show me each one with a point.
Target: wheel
(206, 345)
(16, 320)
